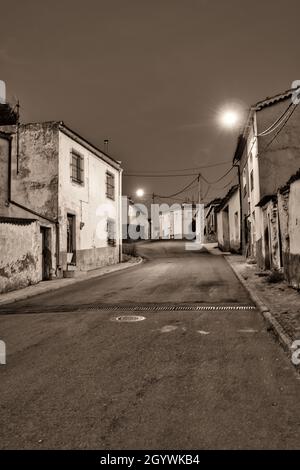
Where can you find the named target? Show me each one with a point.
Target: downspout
(11, 201)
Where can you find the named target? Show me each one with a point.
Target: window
(111, 232)
(251, 180)
(110, 185)
(77, 167)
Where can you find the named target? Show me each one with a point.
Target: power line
(148, 175)
(279, 130)
(275, 124)
(228, 184)
(179, 192)
(219, 179)
(162, 174)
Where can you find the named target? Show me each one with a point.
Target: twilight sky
(150, 75)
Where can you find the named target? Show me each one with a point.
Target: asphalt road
(170, 274)
(177, 379)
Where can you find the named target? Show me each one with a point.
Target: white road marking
(247, 330)
(168, 328)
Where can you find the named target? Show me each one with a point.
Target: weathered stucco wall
(228, 224)
(20, 260)
(243, 163)
(289, 223)
(269, 256)
(35, 184)
(234, 222)
(4, 153)
(293, 259)
(35, 178)
(282, 158)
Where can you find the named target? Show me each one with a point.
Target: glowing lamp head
(229, 118)
(140, 192)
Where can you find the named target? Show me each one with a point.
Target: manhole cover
(130, 318)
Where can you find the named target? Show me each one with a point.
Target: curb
(272, 323)
(49, 288)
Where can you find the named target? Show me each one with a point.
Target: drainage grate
(170, 308)
(122, 308)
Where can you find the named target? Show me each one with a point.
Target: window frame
(110, 187)
(79, 169)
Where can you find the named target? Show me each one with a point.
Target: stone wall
(292, 257)
(20, 260)
(34, 176)
(268, 252)
(4, 159)
(289, 224)
(96, 257)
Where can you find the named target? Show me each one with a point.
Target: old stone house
(228, 221)
(281, 228)
(72, 192)
(179, 221)
(267, 154)
(210, 229)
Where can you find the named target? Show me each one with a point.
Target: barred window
(77, 167)
(111, 232)
(110, 185)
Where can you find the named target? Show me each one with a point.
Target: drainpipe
(31, 211)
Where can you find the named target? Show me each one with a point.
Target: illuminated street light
(229, 118)
(140, 192)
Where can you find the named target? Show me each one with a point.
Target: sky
(152, 76)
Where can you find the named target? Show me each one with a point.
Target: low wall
(93, 258)
(20, 258)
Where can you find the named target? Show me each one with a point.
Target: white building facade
(71, 189)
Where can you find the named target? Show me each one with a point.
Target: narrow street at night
(194, 377)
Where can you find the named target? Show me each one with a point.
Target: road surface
(191, 378)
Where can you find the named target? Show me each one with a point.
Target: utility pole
(18, 134)
(199, 189)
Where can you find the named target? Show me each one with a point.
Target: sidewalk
(278, 302)
(48, 286)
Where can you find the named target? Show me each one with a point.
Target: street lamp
(229, 118)
(140, 192)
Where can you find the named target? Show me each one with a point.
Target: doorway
(267, 248)
(71, 239)
(46, 253)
